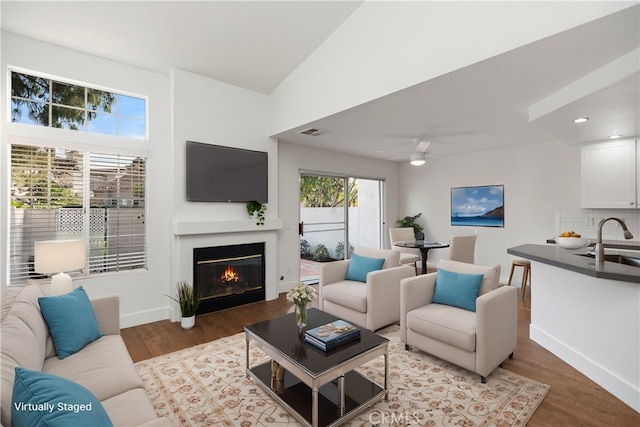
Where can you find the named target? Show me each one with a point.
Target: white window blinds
(69, 194)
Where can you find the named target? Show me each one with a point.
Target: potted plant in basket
(189, 300)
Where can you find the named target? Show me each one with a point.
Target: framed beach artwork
(480, 206)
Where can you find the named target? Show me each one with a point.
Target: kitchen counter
(569, 259)
(588, 315)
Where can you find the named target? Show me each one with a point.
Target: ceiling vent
(312, 131)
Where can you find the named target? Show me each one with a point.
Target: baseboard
(142, 317)
(614, 384)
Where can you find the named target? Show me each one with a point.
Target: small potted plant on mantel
(256, 210)
(188, 299)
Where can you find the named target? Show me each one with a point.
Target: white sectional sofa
(103, 366)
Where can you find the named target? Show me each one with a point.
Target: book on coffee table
(331, 335)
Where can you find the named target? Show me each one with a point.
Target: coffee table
(319, 388)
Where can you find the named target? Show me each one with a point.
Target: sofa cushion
(360, 266)
(451, 325)
(104, 367)
(44, 399)
(347, 293)
(457, 289)
(491, 279)
(23, 334)
(71, 320)
(391, 256)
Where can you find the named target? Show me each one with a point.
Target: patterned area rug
(206, 385)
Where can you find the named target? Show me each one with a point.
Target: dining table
(424, 246)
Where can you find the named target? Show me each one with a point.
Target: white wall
(141, 298)
(387, 46)
(206, 110)
(538, 180)
(293, 159)
(210, 111)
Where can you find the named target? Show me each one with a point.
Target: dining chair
(408, 256)
(461, 249)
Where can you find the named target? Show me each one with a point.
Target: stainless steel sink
(617, 258)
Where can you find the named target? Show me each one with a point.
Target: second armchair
(476, 333)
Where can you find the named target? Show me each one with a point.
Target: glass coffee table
(318, 388)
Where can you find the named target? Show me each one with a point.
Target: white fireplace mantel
(186, 228)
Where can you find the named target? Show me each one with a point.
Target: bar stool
(526, 273)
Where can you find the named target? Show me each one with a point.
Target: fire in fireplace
(229, 275)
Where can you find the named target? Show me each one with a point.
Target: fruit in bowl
(571, 240)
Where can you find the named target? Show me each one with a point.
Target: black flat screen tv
(226, 174)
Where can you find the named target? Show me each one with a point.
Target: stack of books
(332, 335)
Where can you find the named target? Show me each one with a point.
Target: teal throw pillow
(41, 399)
(360, 266)
(457, 289)
(71, 321)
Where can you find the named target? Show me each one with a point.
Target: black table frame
(424, 247)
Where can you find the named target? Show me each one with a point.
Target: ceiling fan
(417, 157)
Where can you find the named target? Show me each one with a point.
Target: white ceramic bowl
(571, 242)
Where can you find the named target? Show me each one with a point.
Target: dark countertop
(569, 260)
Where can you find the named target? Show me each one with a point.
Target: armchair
(478, 341)
(371, 304)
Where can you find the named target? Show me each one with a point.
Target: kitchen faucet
(599, 249)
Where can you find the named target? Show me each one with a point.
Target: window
(45, 102)
(59, 193)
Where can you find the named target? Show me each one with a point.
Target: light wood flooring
(574, 400)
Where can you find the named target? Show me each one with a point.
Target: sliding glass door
(337, 213)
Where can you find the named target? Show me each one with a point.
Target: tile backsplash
(585, 222)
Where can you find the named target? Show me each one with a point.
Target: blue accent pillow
(41, 399)
(457, 289)
(71, 321)
(360, 266)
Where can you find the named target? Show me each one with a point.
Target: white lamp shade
(58, 256)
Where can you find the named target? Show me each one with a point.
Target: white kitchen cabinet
(608, 174)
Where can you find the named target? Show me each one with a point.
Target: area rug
(206, 385)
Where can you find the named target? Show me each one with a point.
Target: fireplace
(229, 275)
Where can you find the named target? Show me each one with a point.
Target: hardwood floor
(574, 400)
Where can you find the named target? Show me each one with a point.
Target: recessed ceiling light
(581, 120)
(615, 136)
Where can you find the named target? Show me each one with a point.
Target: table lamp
(59, 256)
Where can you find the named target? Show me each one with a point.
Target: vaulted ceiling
(524, 96)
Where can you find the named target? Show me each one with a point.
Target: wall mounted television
(225, 174)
